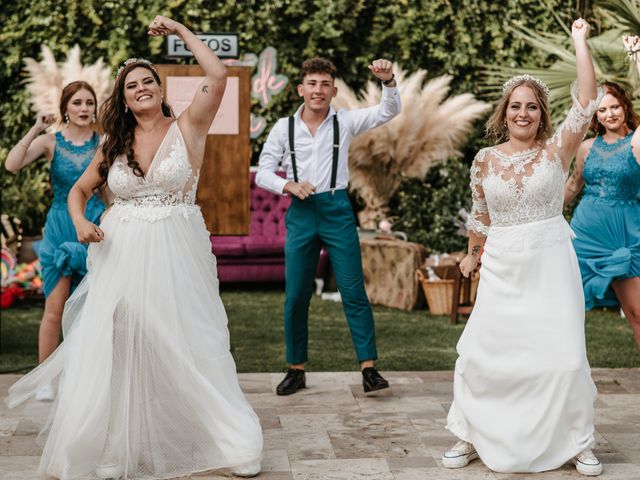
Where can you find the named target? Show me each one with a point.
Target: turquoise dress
(60, 253)
(607, 220)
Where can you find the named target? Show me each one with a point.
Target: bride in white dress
(147, 387)
(523, 393)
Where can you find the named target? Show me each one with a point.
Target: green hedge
(457, 37)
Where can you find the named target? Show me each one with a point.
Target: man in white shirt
(317, 177)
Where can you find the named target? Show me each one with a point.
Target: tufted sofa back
(267, 211)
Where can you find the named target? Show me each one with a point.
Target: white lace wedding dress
(145, 377)
(523, 393)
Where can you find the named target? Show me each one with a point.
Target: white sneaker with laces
(587, 464)
(247, 471)
(460, 455)
(46, 393)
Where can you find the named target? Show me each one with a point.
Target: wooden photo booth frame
(223, 189)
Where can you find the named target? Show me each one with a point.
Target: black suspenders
(336, 150)
(292, 148)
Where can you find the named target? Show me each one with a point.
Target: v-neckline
(155, 155)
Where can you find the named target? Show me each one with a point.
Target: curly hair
(632, 119)
(496, 127)
(119, 125)
(317, 65)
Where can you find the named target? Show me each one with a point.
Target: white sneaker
(46, 393)
(248, 470)
(112, 470)
(587, 464)
(460, 455)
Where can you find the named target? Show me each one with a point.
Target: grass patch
(406, 340)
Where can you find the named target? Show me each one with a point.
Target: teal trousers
(324, 219)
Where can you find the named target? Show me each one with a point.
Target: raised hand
(381, 68)
(580, 30)
(163, 26)
(301, 190)
(44, 120)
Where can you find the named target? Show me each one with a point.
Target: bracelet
(26, 147)
(387, 82)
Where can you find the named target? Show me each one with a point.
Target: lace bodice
(169, 186)
(611, 172)
(526, 186)
(67, 165)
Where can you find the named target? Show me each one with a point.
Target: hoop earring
(66, 118)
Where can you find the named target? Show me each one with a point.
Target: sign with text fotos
(225, 45)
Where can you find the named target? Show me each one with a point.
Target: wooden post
(223, 189)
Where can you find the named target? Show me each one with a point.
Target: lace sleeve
(478, 220)
(567, 138)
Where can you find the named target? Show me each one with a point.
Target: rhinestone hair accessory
(131, 60)
(521, 78)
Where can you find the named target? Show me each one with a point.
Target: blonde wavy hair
(496, 126)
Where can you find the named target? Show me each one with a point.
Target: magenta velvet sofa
(259, 256)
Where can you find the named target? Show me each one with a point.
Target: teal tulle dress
(60, 253)
(607, 220)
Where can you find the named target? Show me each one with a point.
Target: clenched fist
(383, 69)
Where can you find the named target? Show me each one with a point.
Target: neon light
(266, 82)
(258, 124)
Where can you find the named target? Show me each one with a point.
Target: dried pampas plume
(46, 79)
(429, 129)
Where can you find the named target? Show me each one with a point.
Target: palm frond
(609, 58)
(626, 14)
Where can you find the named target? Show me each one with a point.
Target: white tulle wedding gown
(523, 393)
(145, 378)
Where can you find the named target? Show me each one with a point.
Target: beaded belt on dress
(153, 207)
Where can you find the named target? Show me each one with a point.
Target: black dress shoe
(293, 381)
(372, 380)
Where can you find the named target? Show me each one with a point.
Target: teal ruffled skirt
(607, 244)
(60, 253)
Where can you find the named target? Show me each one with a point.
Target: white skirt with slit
(145, 377)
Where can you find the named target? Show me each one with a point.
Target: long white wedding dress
(145, 377)
(523, 393)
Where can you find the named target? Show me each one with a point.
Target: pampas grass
(46, 79)
(430, 129)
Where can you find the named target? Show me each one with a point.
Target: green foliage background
(457, 37)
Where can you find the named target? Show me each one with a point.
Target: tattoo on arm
(205, 89)
(475, 251)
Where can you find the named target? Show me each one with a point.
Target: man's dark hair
(317, 65)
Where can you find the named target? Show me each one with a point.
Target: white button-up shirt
(314, 155)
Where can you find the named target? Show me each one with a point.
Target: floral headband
(131, 60)
(522, 78)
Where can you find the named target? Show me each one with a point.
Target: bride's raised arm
(206, 101)
(586, 98)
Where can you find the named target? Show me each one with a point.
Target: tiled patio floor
(331, 430)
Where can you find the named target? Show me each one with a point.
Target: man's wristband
(387, 82)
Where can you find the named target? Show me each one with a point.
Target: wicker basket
(439, 293)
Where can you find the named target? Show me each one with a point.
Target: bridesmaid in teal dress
(62, 257)
(607, 219)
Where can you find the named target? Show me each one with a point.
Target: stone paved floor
(333, 431)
